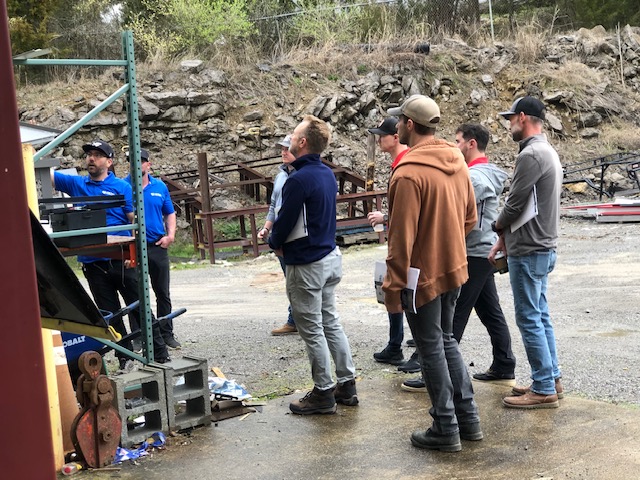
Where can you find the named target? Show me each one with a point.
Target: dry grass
(530, 40)
(620, 136)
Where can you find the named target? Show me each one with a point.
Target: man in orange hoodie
(432, 208)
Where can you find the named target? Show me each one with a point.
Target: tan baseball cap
(420, 109)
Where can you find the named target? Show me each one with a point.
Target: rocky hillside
(590, 81)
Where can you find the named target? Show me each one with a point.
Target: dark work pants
(108, 278)
(480, 293)
(396, 331)
(443, 369)
(290, 319)
(159, 267)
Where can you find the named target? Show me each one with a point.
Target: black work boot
(390, 356)
(435, 441)
(345, 393)
(315, 401)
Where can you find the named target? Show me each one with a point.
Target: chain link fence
(288, 22)
(305, 21)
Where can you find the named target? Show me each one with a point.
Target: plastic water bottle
(71, 468)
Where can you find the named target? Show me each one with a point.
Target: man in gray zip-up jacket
(528, 229)
(480, 290)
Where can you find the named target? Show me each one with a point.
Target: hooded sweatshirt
(431, 210)
(488, 184)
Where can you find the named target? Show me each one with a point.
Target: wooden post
(203, 173)
(371, 168)
(254, 235)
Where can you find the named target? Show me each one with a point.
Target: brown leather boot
(286, 329)
(531, 400)
(316, 401)
(525, 390)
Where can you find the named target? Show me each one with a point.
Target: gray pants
(311, 291)
(443, 369)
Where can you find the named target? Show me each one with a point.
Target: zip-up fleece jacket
(537, 164)
(432, 208)
(488, 184)
(312, 185)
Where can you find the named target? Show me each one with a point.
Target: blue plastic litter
(155, 440)
(222, 389)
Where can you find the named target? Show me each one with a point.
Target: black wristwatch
(385, 218)
(496, 229)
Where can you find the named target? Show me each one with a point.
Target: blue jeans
(443, 369)
(528, 275)
(311, 290)
(290, 320)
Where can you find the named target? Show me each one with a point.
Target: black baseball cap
(527, 105)
(100, 145)
(388, 127)
(144, 155)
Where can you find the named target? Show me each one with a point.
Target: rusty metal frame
(204, 221)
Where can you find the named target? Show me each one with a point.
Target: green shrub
(179, 26)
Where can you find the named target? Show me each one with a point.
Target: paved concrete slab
(582, 439)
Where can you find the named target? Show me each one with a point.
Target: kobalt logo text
(74, 341)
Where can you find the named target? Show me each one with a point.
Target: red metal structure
(27, 446)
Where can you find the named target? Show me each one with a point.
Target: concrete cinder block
(152, 404)
(187, 392)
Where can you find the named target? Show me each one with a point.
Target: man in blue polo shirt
(107, 277)
(160, 219)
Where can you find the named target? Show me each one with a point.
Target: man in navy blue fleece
(304, 233)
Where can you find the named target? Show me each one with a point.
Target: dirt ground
(593, 297)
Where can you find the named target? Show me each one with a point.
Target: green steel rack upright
(133, 128)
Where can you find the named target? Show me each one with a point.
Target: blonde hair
(317, 134)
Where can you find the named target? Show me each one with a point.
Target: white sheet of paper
(300, 228)
(378, 278)
(530, 210)
(408, 294)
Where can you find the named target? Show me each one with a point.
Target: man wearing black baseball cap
(99, 146)
(387, 139)
(160, 220)
(528, 105)
(528, 232)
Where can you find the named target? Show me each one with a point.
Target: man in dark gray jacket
(528, 229)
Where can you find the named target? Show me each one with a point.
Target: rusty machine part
(97, 428)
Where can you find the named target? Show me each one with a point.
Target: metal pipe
(70, 61)
(80, 123)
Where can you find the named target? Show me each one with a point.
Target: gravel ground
(593, 297)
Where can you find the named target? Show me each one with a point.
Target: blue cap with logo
(99, 145)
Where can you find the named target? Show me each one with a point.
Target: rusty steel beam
(27, 447)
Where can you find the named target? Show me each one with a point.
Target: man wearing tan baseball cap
(432, 208)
